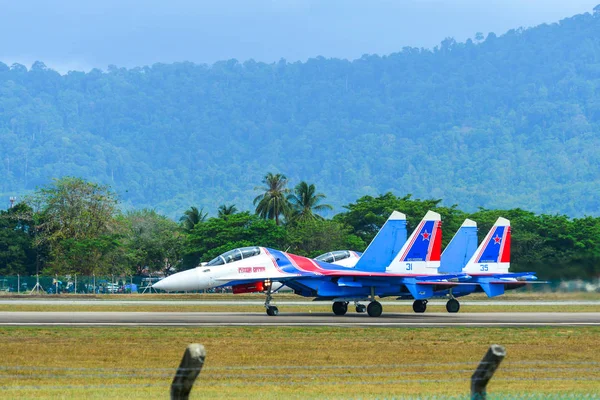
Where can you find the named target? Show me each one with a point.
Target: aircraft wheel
(374, 309)
(340, 308)
(419, 306)
(272, 311)
(361, 308)
(452, 306)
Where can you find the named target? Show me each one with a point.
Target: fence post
(189, 369)
(485, 370)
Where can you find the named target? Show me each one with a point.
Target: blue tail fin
(385, 246)
(460, 249)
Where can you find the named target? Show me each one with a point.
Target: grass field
(246, 362)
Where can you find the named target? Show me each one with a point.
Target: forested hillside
(500, 122)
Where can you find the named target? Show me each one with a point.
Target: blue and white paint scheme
(255, 269)
(461, 248)
(489, 265)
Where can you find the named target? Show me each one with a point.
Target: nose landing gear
(272, 311)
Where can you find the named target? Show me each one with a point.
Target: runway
(245, 302)
(291, 319)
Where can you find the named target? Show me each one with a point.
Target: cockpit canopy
(235, 255)
(334, 256)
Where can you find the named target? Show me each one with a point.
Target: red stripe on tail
(436, 251)
(505, 256)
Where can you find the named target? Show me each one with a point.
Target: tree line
(516, 113)
(73, 226)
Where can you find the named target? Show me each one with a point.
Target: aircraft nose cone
(180, 282)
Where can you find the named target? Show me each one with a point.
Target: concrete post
(485, 371)
(189, 368)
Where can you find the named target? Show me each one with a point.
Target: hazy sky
(81, 34)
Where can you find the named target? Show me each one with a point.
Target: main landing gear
(340, 307)
(419, 306)
(452, 306)
(374, 309)
(272, 311)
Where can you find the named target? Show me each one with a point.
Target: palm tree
(305, 202)
(273, 202)
(225, 211)
(192, 217)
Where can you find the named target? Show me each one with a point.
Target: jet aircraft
(385, 269)
(486, 267)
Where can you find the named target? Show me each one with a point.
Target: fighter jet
(384, 271)
(485, 268)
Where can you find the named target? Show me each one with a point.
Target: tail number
(409, 266)
(484, 267)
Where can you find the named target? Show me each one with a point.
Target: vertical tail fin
(385, 246)
(493, 254)
(460, 249)
(421, 253)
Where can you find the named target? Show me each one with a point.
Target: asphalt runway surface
(236, 302)
(286, 319)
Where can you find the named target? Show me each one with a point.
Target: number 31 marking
(409, 266)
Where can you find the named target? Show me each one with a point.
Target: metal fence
(77, 284)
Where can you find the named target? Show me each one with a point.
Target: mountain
(501, 122)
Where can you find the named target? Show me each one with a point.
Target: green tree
(273, 202)
(313, 237)
(218, 235)
(153, 241)
(192, 217)
(225, 211)
(17, 250)
(305, 202)
(73, 211)
(368, 214)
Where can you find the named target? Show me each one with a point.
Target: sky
(85, 34)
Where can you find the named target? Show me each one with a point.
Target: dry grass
(245, 362)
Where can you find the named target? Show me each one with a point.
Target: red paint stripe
(505, 255)
(304, 264)
(435, 249)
